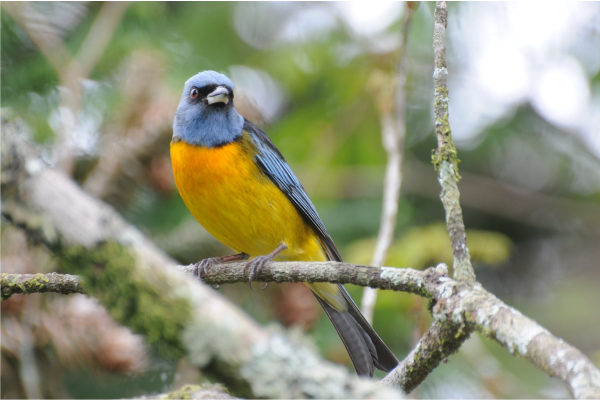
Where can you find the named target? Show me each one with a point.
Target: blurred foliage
(302, 71)
(426, 246)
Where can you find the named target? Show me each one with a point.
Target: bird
(239, 187)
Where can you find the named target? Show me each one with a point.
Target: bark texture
(40, 283)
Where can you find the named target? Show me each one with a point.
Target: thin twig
(99, 36)
(393, 128)
(399, 279)
(70, 70)
(78, 69)
(41, 33)
(29, 372)
(40, 283)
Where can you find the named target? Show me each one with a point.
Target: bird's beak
(219, 95)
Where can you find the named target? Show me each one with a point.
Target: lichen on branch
(39, 283)
(445, 158)
(446, 151)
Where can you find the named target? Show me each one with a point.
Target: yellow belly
(234, 201)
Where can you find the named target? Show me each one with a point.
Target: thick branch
(192, 392)
(476, 308)
(440, 341)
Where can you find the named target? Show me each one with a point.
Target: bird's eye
(194, 93)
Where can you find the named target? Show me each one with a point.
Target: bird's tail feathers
(384, 360)
(357, 342)
(350, 323)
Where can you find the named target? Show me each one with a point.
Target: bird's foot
(202, 268)
(256, 265)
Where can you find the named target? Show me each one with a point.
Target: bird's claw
(255, 266)
(203, 267)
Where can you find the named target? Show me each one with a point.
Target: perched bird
(239, 187)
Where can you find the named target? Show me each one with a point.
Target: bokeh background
(524, 82)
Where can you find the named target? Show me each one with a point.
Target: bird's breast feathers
(233, 200)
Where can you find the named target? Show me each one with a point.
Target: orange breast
(234, 201)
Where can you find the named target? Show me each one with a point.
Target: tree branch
(40, 283)
(398, 279)
(445, 336)
(392, 98)
(459, 309)
(467, 305)
(440, 341)
(445, 157)
(125, 271)
(191, 392)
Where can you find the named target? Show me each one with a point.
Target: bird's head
(205, 115)
(209, 90)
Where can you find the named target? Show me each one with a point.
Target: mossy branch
(440, 341)
(40, 283)
(446, 151)
(207, 391)
(385, 278)
(445, 157)
(398, 279)
(450, 196)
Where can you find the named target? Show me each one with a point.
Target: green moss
(33, 285)
(185, 392)
(7, 287)
(446, 152)
(430, 304)
(146, 306)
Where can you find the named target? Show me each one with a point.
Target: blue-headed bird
(239, 187)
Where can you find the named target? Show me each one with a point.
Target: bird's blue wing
(273, 165)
